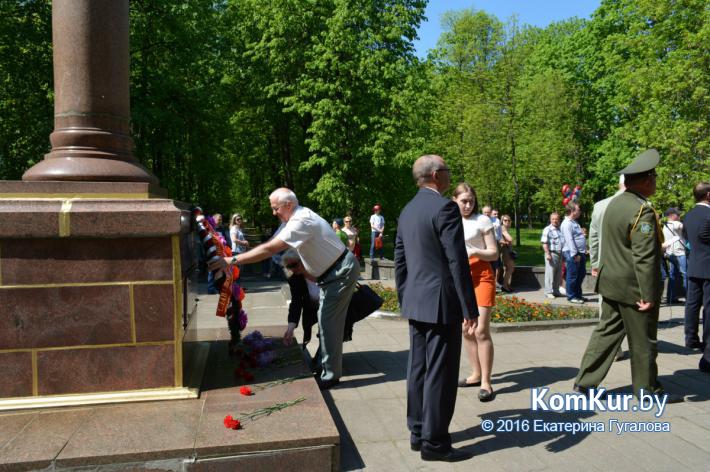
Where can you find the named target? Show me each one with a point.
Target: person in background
(352, 233)
(377, 228)
(674, 245)
(497, 234)
(305, 296)
(222, 231)
(236, 236)
(507, 256)
(574, 250)
(337, 227)
(552, 242)
(481, 248)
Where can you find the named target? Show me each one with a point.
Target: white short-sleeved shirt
(497, 230)
(673, 235)
(474, 228)
(377, 221)
(314, 240)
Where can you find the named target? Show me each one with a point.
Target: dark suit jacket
(431, 267)
(696, 227)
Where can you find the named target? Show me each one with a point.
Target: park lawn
(529, 252)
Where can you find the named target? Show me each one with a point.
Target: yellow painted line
(132, 304)
(91, 284)
(177, 304)
(84, 196)
(87, 346)
(35, 374)
(64, 224)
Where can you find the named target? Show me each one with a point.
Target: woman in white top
(239, 242)
(481, 248)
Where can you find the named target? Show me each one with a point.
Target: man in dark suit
(696, 226)
(436, 294)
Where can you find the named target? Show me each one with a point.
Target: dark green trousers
(619, 320)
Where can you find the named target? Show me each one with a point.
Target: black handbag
(364, 302)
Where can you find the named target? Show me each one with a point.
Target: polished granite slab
(187, 434)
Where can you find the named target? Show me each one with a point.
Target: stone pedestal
(91, 284)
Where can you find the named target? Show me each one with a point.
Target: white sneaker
(550, 296)
(577, 301)
(563, 291)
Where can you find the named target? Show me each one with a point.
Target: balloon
(565, 190)
(565, 201)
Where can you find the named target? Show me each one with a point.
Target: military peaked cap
(644, 162)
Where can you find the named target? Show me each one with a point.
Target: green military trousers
(617, 320)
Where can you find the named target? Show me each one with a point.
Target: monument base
(188, 435)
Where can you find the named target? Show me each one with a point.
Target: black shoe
(327, 384)
(415, 446)
(620, 356)
(695, 345)
(485, 395)
(672, 397)
(704, 365)
(452, 455)
(463, 384)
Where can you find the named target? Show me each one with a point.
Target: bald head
(430, 171)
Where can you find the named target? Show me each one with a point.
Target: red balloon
(565, 189)
(565, 201)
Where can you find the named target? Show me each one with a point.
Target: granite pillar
(93, 255)
(91, 139)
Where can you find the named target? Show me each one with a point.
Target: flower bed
(507, 309)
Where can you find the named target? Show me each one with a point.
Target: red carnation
(231, 423)
(246, 391)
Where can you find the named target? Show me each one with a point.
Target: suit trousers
(698, 296)
(432, 382)
(553, 273)
(336, 290)
(617, 320)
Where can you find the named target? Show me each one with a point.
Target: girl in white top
(481, 248)
(239, 242)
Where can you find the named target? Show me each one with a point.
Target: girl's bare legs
(479, 349)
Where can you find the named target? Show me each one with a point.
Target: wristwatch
(234, 260)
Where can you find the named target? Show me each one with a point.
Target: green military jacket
(631, 254)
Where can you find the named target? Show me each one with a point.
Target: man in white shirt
(552, 243)
(377, 227)
(326, 260)
(674, 246)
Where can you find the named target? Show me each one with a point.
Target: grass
(529, 252)
(507, 309)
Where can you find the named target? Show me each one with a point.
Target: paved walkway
(369, 406)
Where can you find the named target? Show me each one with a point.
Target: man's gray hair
(284, 195)
(424, 167)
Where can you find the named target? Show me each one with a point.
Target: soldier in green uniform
(629, 282)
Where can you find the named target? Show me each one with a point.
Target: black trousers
(432, 381)
(698, 296)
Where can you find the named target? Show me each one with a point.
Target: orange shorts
(484, 284)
